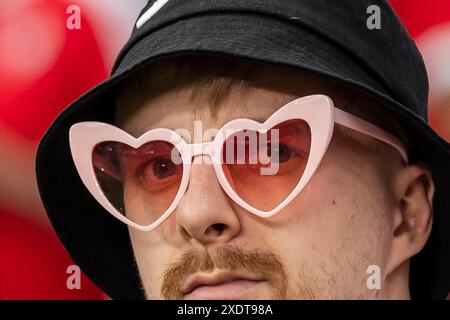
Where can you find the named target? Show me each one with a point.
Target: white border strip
(150, 12)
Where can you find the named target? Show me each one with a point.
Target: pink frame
(317, 110)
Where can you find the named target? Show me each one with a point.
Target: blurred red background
(44, 66)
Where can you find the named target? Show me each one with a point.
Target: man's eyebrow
(244, 114)
(260, 118)
(249, 113)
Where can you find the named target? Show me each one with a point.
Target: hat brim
(100, 244)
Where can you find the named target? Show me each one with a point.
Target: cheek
(334, 230)
(152, 258)
(144, 207)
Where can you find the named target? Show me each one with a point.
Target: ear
(413, 215)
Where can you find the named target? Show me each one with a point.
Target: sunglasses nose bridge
(198, 149)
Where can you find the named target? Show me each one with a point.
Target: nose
(205, 214)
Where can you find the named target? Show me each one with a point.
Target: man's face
(319, 246)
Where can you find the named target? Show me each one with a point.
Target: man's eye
(160, 168)
(279, 153)
(159, 173)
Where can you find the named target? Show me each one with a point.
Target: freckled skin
(341, 223)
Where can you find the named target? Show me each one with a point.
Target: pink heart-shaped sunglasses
(261, 166)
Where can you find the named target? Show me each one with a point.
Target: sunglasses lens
(263, 169)
(140, 183)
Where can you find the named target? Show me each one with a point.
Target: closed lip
(216, 278)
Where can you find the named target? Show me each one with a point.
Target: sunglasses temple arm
(350, 121)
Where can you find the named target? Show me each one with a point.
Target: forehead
(174, 94)
(176, 110)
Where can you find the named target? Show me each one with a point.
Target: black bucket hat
(330, 38)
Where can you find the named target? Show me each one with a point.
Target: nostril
(216, 229)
